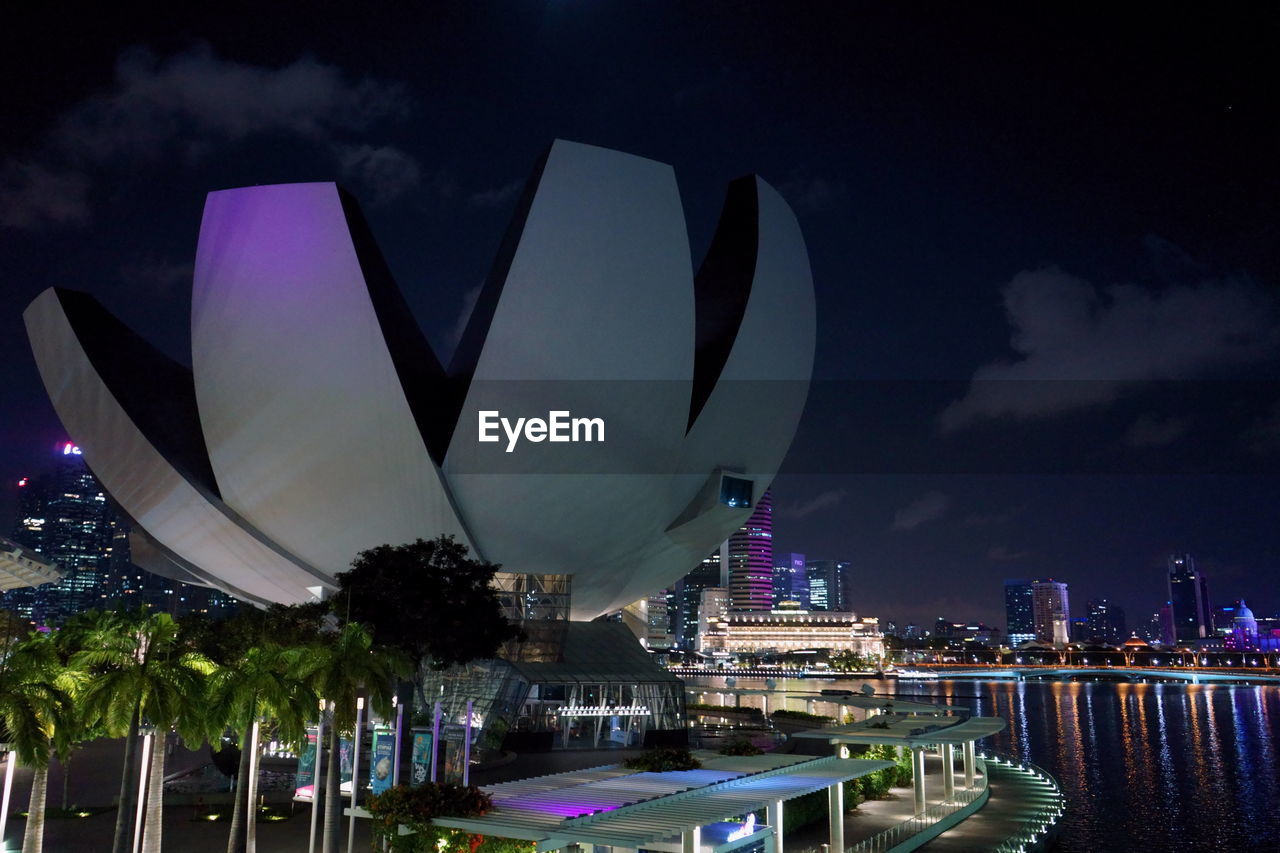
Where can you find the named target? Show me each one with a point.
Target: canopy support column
(691, 840)
(774, 818)
(948, 772)
(968, 764)
(917, 776)
(835, 806)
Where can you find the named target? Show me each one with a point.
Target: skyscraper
(1051, 612)
(1018, 612)
(790, 581)
(711, 572)
(1106, 623)
(830, 584)
(751, 560)
(65, 517)
(1189, 600)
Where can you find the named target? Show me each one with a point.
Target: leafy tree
(429, 599)
(268, 682)
(229, 639)
(351, 667)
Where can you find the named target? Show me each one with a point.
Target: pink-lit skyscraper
(751, 560)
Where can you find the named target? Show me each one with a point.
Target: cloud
(186, 106)
(812, 194)
(1005, 554)
(496, 197)
(385, 172)
(32, 195)
(157, 274)
(931, 507)
(1078, 345)
(990, 518)
(1150, 431)
(821, 501)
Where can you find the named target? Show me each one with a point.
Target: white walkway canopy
(909, 731)
(617, 807)
(19, 567)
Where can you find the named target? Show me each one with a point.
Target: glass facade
(604, 691)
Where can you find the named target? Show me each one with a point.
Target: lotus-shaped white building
(316, 422)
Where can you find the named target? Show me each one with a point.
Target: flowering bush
(414, 808)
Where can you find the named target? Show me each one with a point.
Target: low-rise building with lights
(792, 630)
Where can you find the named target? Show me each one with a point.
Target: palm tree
(138, 670)
(270, 682)
(35, 696)
(349, 668)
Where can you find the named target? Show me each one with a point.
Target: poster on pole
(304, 783)
(420, 760)
(382, 759)
(345, 773)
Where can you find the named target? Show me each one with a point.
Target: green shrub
(802, 716)
(740, 746)
(662, 759)
(702, 707)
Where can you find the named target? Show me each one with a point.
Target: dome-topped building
(1244, 628)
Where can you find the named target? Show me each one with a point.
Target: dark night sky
(1045, 242)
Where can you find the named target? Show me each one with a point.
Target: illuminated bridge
(1189, 675)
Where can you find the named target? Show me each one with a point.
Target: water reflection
(1143, 766)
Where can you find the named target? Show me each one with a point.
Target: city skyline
(1007, 196)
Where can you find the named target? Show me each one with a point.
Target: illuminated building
(1244, 629)
(1051, 612)
(1106, 623)
(1019, 613)
(830, 584)
(1189, 600)
(751, 560)
(65, 517)
(658, 636)
(711, 572)
(712, 612)
(315, 421)
(785, 631)
(790, 581)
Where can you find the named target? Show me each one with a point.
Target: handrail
(893, 836)
(1038, 826)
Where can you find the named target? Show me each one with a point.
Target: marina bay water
(1145, 766)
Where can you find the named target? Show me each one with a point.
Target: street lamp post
(355, 773)
(315, 779)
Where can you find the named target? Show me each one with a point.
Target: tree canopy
(428, 598)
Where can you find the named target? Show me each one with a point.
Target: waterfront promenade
(95, 781)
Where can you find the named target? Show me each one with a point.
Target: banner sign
(420, 762)
(382, 760)
(304, 784)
